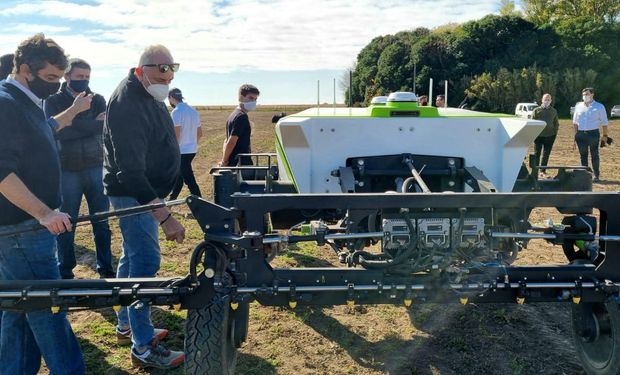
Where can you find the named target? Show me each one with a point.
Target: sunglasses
(165, 68)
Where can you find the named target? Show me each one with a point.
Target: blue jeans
(589, 140)
(140, 258)
(87, 182)
(28, 336)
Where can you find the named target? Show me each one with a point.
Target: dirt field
(425, 339)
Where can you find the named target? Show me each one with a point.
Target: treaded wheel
(596, 331)
(210, 346)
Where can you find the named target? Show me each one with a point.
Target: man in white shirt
(188, 131)
(588, 117)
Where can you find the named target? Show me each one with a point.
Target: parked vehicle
(525, 110)
(615, 111)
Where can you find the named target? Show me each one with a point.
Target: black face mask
(79, 85)
(41, 88)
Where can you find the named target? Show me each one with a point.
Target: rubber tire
(602, 356)
(209, 339)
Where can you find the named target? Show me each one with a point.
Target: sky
(284, 47)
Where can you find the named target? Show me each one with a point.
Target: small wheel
(211, 340)
(596, 332)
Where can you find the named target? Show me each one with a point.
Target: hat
(175, 93)
(608, 143)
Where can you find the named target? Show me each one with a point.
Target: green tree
(549, 11)
(508, 8)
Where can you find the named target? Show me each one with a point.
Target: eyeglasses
(164, 68)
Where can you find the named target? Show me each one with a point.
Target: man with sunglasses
(141, 165)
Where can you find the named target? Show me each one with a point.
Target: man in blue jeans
(30, 194)
(141, 162)
(81, 159)
(588, 117)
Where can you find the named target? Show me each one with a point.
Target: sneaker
(596, 179)
(124, 337)
(157, 356)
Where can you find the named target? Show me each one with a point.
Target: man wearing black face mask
(30, 194)
(81, 158)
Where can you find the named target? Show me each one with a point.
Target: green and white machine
(314, 144)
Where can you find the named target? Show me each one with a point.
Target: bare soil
(423, 339)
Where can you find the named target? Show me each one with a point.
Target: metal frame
(235, 261)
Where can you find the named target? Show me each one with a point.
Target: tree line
(555, 46)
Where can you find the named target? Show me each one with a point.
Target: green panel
(405, 109)
(280, 151)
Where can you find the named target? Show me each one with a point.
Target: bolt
(321, 130)
(333, 130)
(360, 162)
(411, 129)
(209, 273)
(451, 162)
(361, 183)
(451, 183)
(400, 128)
(226, 226)
(207, 226)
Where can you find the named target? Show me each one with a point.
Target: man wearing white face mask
(141, 164)
(588, 117)
(238, 130)
(544, 142)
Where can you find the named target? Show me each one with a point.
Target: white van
(525, 110)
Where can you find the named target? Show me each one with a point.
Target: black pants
(589, 140)
(544, 145)
(187, 176)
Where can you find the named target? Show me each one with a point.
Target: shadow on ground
(454, 339)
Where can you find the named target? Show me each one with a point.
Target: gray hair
(150, 52)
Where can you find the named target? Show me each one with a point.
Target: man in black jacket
(81, 157)
(142, 161)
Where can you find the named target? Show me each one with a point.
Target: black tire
(210, 346)
(596, 331)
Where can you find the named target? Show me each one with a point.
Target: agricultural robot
(420, 204)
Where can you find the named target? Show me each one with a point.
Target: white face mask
(248, 106)
(546, 103)
(159, 91)
(587, 98)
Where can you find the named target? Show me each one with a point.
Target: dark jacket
(81, 144)
(141, 154)
(550, 116)
(27, 149)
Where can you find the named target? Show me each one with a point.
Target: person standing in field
(30, 194)
(238, 129)
(440, 101)
(544, 142)
(141, 165)
(588, 117)
(81, 159)
(6, 65)
(188, 132)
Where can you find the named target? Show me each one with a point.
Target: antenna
(430, 91)
(350, 88)
(334, 95)
(318, 92)
(415, 68)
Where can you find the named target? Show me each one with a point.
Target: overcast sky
(283, 47)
